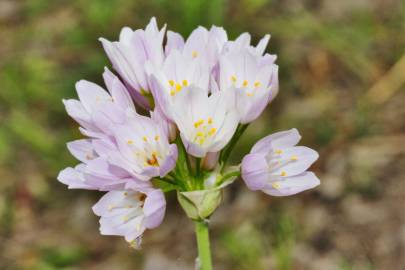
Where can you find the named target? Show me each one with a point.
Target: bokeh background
(342, 76)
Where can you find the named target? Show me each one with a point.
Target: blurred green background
(342, 76)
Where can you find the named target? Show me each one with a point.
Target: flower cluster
(199, 94)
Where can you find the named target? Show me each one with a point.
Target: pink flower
(254, 83)
(129, 213)
(279, 168)
(130, 53)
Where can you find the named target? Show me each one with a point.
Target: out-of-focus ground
(342, 76)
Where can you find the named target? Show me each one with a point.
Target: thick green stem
(203, 243)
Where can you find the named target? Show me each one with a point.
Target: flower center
(176, 87)
(204, 130)
(153, 161)
(245, 84)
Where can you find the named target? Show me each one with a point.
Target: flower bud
(200, 204)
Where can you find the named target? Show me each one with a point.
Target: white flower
(143, 148)
(177, 74)
(206, 123)
(129, 54)
(129, 213)
(255, 84)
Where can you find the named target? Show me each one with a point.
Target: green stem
(229, 175)
(186, 157)
(227, 151)
(203, 243)
(198, 180)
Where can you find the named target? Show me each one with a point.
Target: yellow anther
(275, 185)
(172, 92)
(125, 193)
(144, 139)
(245, 83)
(257, 84)
(233, 78)
(294, 158)
(198, 123)
(171, 82)
(130, 142)
(185, 82)
(209, 120)
(200, 134)
(178, 87)
(278, 152)
(249, 94)
(283, 173)
(153, 161)
(157, 138)
(194, 54)
(201, 141)
(212, 131)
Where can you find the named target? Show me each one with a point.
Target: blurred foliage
(341, 79)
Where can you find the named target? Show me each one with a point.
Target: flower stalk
(204, 261)
(227, 151)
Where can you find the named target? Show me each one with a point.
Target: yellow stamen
(212, 131)
(171, 82)
(198, 123)
(194, 54)
(294, 158)
(245, 83)
(172, 92)
(279, 152)
(185, 82)
(200, 134)
(125, 193)
(209, 120)
(233, 78)
(157, 138)
(249, 94)
(144, 139)
(130, 142)
(283, 173)
(257, 84)
(275, 185)
(178, 87)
